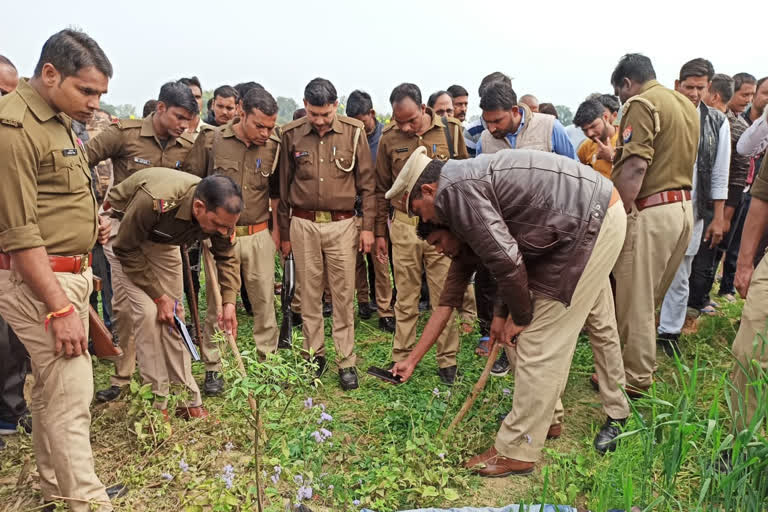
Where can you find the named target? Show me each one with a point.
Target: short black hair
(696, 68)
(430, 174)
(424, 229)
(69, 51)
(635, 66)
(226, 91)
(498, 96)
(760, 82)
(176, 94)
(5, 60)
(548, 108)
(434, 96)
(149, 107)
(320, 92)
(722, 84)
(192, 80)
(405, 90)
(496, 76)
(219, 191)
(742, 78)
(359, 103)
(258, 98)
(456, 91)
(244, 87)
(610, 102)
(587, 112)
(299, 113)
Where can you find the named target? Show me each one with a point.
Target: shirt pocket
(304, 163)
(227, 167)
(64, 173)
(440, 151)
(344, 162)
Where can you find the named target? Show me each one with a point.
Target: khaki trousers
(468, 311)
(257, 263)
(163, 358)
(383, 282)
(545, 348)
(125, 365)
(317, 248)
(410, 255)
(751, 351)
(61, 395)
(654, 247)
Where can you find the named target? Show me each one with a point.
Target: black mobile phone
(385, 375)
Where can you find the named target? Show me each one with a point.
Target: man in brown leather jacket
(549, 230)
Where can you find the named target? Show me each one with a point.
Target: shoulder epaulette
(648, 105)
(275, 137)
(294, 124)
(389, 126)
(352, 121)
(164, 205)
(206, 128)
(12, 111)
(124, 124)
(188, 138)
(453, 120)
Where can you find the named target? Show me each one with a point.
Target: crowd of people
(534, 230)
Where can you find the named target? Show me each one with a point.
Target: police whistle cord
(479, 386)
(192, 296)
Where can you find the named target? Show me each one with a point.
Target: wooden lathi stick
(479, 386)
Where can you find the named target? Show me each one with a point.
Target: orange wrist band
(59, 314)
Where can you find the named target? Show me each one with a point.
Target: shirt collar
(184, 212)
(228, 130)
(147, 128)
(39, 107)
(335, 126)
(647, 85)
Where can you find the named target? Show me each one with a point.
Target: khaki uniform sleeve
(18, 195)
(107, 144)
(456, 282)
(285, 168)
(383, 183)
(366, 182)
(760, 187)
(640, 120)
(196, 161)
(223, 251)
(462, 153)
(138, 221)
(583, 154)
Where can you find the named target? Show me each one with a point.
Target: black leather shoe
(321, 365)
(296, 319)
(387, 324)
(501, 366)
(364, 310)
(447, 374)
(109, 394)
(327, 309)
(117, 491)
(604, 440)
(214, 384)
(668, 343)
(423, 306)
(348, 378)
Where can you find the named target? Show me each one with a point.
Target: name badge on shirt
(401, 150)
(69, 152)
(299, 154)
(142, 161)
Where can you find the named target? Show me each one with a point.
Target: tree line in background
(287, 106)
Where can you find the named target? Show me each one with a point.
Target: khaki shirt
(325, 173)
(671, 150)
(219, 151)
(155, 205)
(46, 199)
(133, 145)
(394, 149)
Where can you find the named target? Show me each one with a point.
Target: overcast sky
(558, 51)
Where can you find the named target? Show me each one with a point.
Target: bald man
(9, 76)
(531, 101)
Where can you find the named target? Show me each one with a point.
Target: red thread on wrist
(59, 314)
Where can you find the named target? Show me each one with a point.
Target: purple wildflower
(304, 493)
(506, 391)
(228, 476)
(356, 503)
(183, 465)
(275, 479)
(324, 416)
(298, 479)
(278, 470)
(167, 476)
(229, 446)
(326, 433)
(308, 402)
(436, 392)
(441, 455)
(330, 487)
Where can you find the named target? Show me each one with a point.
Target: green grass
(387, 450)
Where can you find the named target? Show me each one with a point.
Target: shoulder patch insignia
(626, 135)
(162, 206)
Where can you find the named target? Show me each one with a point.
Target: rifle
(286, 297)
(103, 345)
(192, 295)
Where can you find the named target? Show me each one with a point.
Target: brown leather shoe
(555, 431)
(491, 464)
(188, 413)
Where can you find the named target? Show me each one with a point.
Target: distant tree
(124, 111)
(206, 96)
(285, 109)
(342, 106)
(564, 114)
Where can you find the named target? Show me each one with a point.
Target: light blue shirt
(561, 143)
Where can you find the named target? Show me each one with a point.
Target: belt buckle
(83, 264)
(241, 230)
(323, 217)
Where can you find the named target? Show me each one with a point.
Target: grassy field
(381, 447)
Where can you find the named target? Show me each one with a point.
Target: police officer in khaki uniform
(325, 162)
(653, 172)
(160, 208)
(414, 125)
(246, 149)
(159, 140)
(48, 224)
